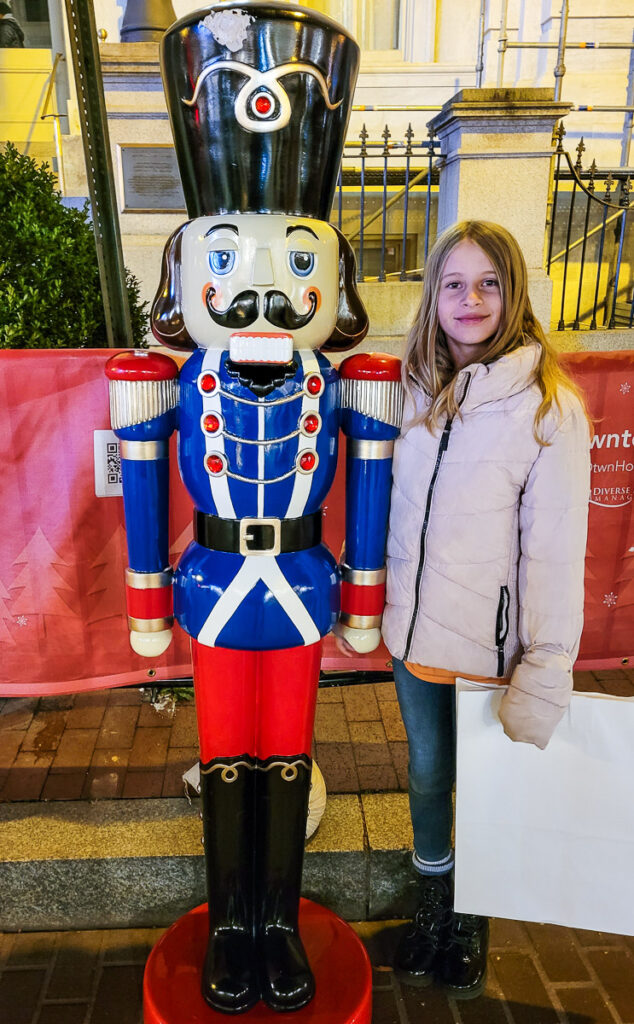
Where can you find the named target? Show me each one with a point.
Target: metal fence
(386, 203)
(590, 244)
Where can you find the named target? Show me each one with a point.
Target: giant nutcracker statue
(257, 283)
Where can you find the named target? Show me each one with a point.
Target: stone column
(496, 165)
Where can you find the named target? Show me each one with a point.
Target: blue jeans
(429, 715)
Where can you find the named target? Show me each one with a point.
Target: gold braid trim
(229, 772)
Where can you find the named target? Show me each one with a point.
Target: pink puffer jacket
(487, 541)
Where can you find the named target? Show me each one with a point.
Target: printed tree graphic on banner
(42, 590)
(109, 586)
(5, 633)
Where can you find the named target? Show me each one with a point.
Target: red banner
(62, 548)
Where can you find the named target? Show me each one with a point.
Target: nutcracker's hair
(167, 320)
(352, 320)
(168, 323)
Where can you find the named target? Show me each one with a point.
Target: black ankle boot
(283, 784)
(462, 964)
(229, 978)
(417, 951)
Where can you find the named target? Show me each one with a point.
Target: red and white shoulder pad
(371, 385)
(143, 385)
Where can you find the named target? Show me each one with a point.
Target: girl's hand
(344, 647)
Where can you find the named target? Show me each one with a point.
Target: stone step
(139, 863)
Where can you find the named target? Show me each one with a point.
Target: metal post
(386, 154)
(627, 122)
(363, 153)
(94, 129)
(409, 134)
(624, 200)
(480, 58)
(560, 67)
(503, 40)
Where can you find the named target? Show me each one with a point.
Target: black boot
(229, 978)
(462, 964)
(417, 950)
(283, 784)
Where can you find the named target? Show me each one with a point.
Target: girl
(485, 551)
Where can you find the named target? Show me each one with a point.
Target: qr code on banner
(113, 463)
(107, 464)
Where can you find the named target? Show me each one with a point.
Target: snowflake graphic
(610, 599)
(625, 388)
(22, 620)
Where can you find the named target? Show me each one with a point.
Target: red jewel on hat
(208, 382)
(211, 423)
(215, 464)
(307, 461)
(311, 424)
(314, 384)
(263, 104)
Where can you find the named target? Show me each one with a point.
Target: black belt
(257, 536)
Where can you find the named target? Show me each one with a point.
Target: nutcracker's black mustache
(277, 308)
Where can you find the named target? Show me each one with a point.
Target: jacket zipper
(442, 448)
(502, 626)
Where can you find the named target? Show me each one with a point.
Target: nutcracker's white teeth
(249, 347)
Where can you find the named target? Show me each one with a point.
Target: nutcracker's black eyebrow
(300, 227)
(226, 227)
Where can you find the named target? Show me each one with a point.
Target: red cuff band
(153, 603)
(360, 600)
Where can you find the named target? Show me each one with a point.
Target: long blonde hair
(427, 357)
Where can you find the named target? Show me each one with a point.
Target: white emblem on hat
(263, 96)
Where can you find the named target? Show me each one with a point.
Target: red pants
(260, 703)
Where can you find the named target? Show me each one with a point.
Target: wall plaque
(149, 179)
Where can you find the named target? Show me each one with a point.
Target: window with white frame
(386, 30)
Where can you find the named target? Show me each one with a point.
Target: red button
(211, 423)
(208, 382)
(311, 424)
(215, 464)
(314, 385)
(263, 104)
(307, 461)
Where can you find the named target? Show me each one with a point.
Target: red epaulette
(141, 365)
(371, 366)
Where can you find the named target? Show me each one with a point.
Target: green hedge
(50, 293)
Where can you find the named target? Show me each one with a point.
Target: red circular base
(343, 976)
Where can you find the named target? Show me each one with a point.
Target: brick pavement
(108, 744)
(114, 743)
(538, 974)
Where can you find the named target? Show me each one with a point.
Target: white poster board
(546, 835)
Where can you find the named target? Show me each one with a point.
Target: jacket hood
(507, 376)
(16, 25)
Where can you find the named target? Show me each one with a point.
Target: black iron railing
(386, 204)
(591, 244)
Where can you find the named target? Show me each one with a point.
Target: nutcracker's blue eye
(222, 261)
(301, 263)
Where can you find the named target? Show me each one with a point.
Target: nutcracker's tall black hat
(259, 96)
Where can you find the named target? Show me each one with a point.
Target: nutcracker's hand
(150, 645)
(362, 641)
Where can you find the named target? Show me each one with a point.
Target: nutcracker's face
(259, 285)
